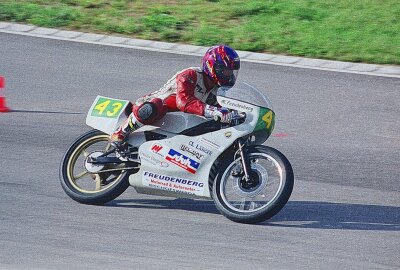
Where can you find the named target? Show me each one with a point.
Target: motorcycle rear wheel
(270, 186)
(90, 187)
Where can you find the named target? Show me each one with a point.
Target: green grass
(358, 31)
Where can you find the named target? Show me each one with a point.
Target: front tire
(91, 187)
(270, 186)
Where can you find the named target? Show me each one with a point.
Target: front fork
(245, 160)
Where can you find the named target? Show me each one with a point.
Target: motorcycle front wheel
(260, 197)
(87, 183)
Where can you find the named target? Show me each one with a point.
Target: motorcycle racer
(192, 90)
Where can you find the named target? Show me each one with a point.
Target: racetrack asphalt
(339, 130)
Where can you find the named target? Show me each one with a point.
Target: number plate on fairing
(266, 120)
(106, 114)
(107, 107)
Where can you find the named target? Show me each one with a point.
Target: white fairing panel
(176, 122)
(106, 114)
(179, 166)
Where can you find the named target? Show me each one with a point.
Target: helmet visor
(226, 76)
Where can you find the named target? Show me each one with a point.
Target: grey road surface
(340, 131)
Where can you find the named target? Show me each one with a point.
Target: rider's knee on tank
(149, 111)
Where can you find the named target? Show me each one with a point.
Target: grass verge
(357, 31)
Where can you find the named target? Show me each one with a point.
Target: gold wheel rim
(81, 150)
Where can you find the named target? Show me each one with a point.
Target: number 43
(116, 106)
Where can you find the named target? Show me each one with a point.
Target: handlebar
(239, 116)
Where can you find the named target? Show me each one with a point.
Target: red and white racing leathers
(185, 91)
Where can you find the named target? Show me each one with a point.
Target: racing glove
(223, 114)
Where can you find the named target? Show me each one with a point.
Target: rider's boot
(118, 138)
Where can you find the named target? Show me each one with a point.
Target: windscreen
(245, 92)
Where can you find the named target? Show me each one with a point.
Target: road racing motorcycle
(185, 156)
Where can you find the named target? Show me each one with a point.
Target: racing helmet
(221, 64)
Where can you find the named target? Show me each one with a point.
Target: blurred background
(356, 31)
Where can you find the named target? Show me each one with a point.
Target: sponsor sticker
(200, 148)
(210, 144)
(191, 151)
(156, 148)
(237, 105)
(169, 183)
(153, 160)
(228, 134)
(182, 161)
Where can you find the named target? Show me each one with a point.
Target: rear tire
(84, 186)
(264, 196)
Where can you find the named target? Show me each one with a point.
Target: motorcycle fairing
(183, 161)
(174, 157)
(107, 114)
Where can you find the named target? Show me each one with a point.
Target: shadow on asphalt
(324, 215)
(179, 204)
(296, 214)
